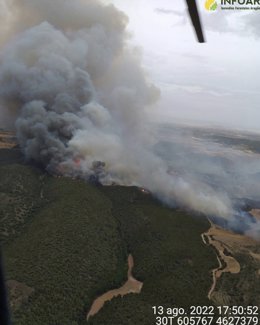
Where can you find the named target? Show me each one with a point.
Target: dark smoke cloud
(80, 97)
(70, 70)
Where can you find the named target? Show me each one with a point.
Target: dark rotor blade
(4, 315)
(194, 15)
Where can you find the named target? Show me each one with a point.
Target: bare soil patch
(7, 140)
(131, 286)
(19, 293)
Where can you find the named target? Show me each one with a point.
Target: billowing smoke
(80, 98)
(78, 91)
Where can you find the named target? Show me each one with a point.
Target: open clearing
(7, 140)
(227, 263)
(131, 286)
(233, 254)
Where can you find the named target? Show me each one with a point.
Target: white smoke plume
(80, 96)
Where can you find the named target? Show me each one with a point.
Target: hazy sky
(217, 82)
